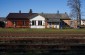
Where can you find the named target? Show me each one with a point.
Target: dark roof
(83, 19)
(53, 20)
(17, 15)
(49, 15)
(60, 16)
(2, 19)
(33, 15)
(65, 17)
(20, 16)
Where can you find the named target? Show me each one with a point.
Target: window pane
(39, 22)
(33, 22)
(23, 22)
(14, 22)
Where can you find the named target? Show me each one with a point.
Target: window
(40, 23)
(83, 21)
(23, 23)
(14, 22)
(33, 22)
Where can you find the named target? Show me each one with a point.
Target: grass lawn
(57, 31)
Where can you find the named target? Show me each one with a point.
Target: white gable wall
(38, 18)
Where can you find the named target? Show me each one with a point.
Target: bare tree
(75, 6)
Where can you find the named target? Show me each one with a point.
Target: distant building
(73, 23)
(82, 22)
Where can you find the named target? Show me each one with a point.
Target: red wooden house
(19, 20)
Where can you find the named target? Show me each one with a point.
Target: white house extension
(37, 22)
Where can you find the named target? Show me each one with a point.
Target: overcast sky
(38, 6)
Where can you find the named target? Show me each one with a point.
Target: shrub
(2, 24)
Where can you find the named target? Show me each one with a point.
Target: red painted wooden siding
(18, 23)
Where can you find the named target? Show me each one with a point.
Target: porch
(53, 25)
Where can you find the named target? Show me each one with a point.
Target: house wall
(18, 23)
(73, 24)
(38, 18)
(9, 23)
(46, 24)
(53, 25)
(67, 22)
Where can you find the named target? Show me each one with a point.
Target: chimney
(58, 12)
(30, 11)
(19, 11)
(42, 13)
(65, 12)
